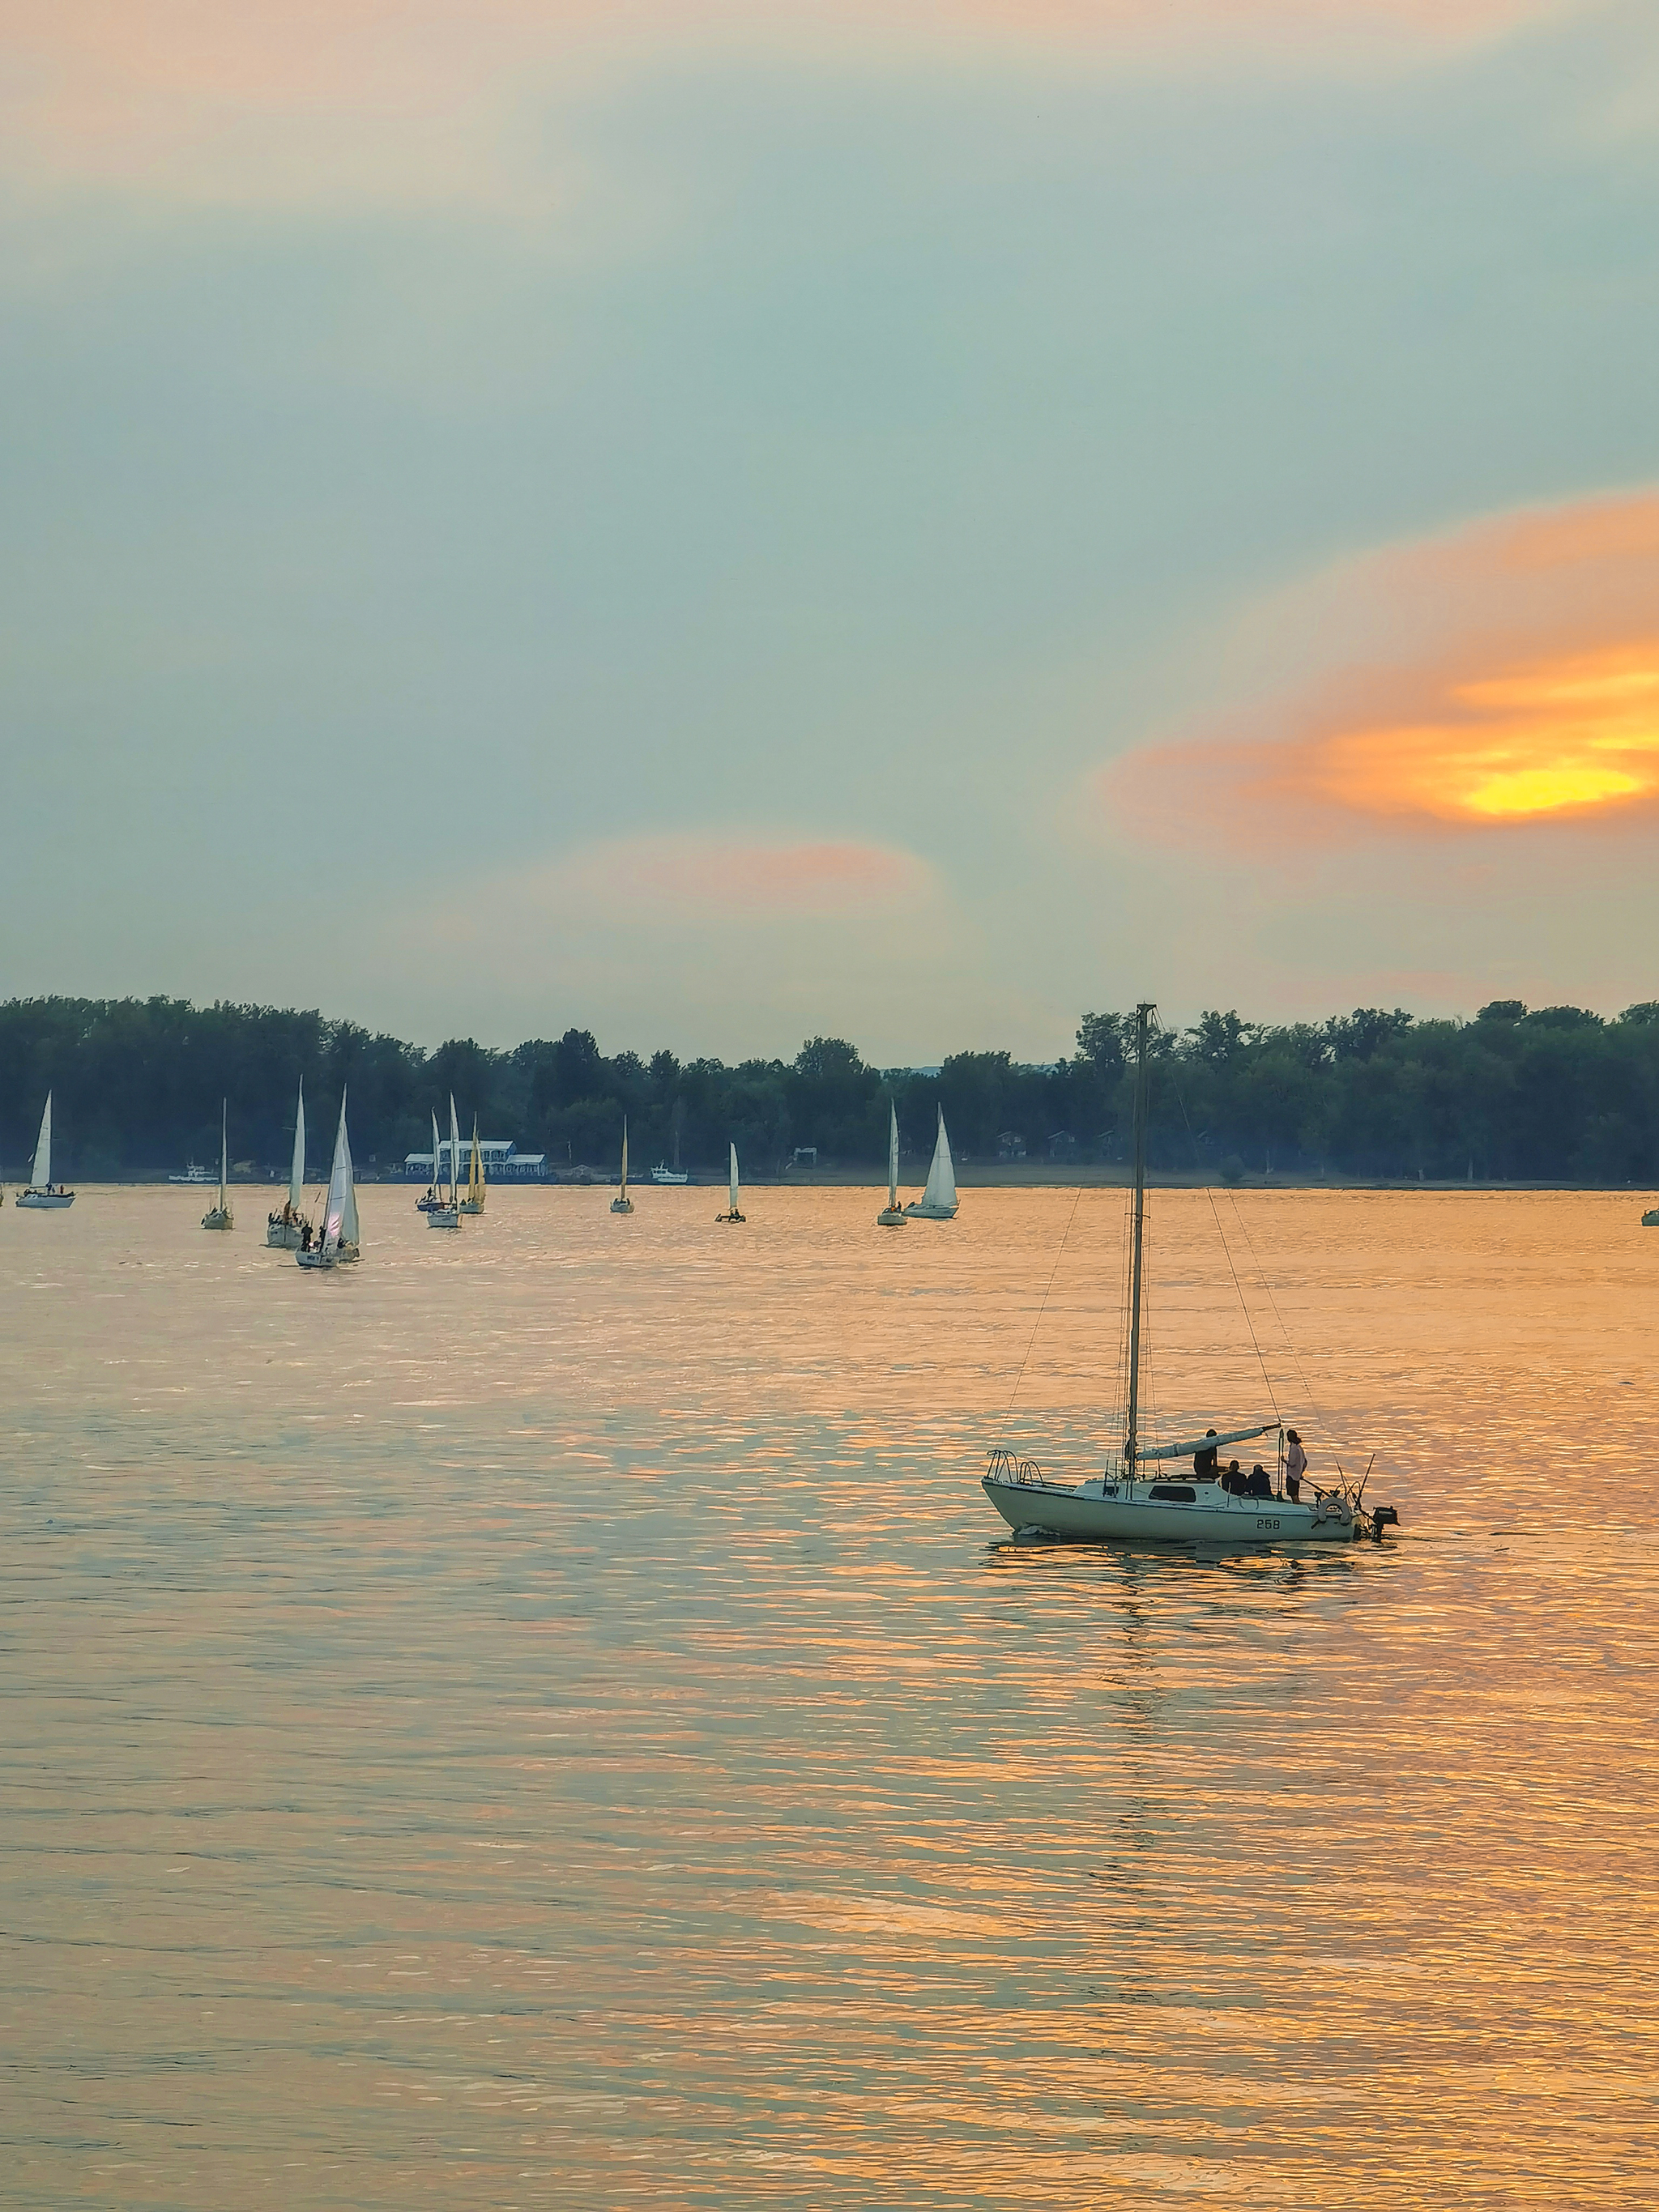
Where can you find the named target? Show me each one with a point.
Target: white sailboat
(341, 1240)
(892, 1215)
(938, 1202)
(442, 1213)
(1127, 1503)
(220, 1216)
(732, 1213)
(42, 1195)
(623, 1203)
(474, 1200)
(283, 1230)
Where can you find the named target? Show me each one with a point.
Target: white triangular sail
(350, 1231)
(296, 1174)
(734, 1178)
(624, 1178)
(340, 1193)
(942, 1175)
(41, 1174)
(475, 1177)
(892, 1158)
(224, 1148)
(455, 1154)
(437, 1163)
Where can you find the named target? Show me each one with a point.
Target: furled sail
(296, 1174)
(942, 1175)
(1200, 1444)
(40, 1175)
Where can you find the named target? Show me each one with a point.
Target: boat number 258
(1263, 1522)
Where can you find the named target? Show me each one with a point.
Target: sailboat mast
(1143, 1025)
(224, 1148)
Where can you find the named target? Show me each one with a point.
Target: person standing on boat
(1295, 1465)
(1204, 1460)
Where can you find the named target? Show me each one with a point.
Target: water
(547, 1718)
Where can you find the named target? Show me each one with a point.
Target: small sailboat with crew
(474, 1200)
(939, 1198)
(283, 1230)
(1131, 1502)
(892, 1215)
(732, 1213)
(220, 1216)
(623, 1203)
(42, 1195)
(442, 1212)
(340, 1241)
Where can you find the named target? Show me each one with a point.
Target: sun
(1570, 738)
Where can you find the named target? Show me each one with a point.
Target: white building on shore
(502, 1161)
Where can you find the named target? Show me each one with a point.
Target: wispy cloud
(290, 101)
(1518, 685)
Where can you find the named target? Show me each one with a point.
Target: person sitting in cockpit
(1204, 1460)
(1233, 1481)
(1259, 1484)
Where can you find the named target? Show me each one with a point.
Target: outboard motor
(1382, 1516)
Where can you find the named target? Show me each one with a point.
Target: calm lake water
(548, 1716)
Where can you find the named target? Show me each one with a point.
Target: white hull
(282, 1236)
(892, 1217)
(472, 1205)
(668, 1175)
(1214, 1518)
(46, 1202)
(218, 1218)
(622, 1206)
(920, 1210)
(341, 1256)
(443, 1217)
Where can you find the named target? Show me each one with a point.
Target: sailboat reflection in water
(341, 1239)
(1122, 1505)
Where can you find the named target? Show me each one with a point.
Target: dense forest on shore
(1554, 1095)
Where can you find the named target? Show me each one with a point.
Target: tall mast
(1143, 1025)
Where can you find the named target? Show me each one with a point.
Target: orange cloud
(694, 878)
(1520, 685)
(294, 100)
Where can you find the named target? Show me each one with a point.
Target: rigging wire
(1037, 1323)
(1289, 1341)
(1243, 1301)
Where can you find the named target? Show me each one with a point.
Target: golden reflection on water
(548, 1716)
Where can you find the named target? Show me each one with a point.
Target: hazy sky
(910, 521)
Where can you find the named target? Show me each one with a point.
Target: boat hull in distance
(920, 1210)
(218, 1217)
(46, 1202)
(282, 1236)
(443, 1217)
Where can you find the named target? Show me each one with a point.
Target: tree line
(1558, 1094)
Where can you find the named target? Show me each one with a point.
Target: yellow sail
(475, 1182)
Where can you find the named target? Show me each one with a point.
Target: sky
(913, 522)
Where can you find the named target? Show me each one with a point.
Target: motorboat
(1135, 1499)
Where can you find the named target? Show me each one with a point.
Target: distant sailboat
(474, 1200)
(220, 1216)
(442, 1213)
(892, 1215)
(283, 1230)
(623, 1203)
(40, 1193)
(938, 1202)
(341, 1238)
(732, 1213)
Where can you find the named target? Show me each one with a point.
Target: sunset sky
(715, 523)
